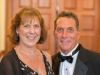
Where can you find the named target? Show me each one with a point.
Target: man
(73, 58)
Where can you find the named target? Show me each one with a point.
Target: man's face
(66, 34)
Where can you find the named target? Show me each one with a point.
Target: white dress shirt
(67, 68)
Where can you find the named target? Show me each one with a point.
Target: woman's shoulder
(9, 56)
(48, 56)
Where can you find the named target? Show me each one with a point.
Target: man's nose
(65, 33)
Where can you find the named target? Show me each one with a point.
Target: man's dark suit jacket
(87, 63)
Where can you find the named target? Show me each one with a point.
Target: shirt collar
(70, 53)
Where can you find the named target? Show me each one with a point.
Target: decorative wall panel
(44, 3)
(87, 41)
(87, 22)
(70, 4)
(24, 3)
(46, 18)
(88, 4)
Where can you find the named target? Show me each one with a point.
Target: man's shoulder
(93, 53)
(55, 56)
(89, 53)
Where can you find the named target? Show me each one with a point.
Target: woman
(27, 29)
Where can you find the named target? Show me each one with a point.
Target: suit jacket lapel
(80, 68)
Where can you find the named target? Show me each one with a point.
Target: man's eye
(60, 29)
(70, 30)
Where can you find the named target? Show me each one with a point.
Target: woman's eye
(27, 25)
(36, 26)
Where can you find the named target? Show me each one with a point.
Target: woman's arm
(6, 67)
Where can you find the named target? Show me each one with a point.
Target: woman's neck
(26, 50)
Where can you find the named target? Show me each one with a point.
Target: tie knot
(63, 58)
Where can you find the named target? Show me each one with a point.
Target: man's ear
(78, 38)
(79, 34)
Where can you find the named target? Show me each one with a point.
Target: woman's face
(29, 32)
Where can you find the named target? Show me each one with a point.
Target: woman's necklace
(28, 54)
(31, 54)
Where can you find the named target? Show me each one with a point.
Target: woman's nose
(32, 30)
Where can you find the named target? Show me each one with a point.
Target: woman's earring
(17, 37)
(17, 34)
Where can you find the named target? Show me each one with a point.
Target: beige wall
(2, 24)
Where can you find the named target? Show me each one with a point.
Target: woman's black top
(12, 65)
